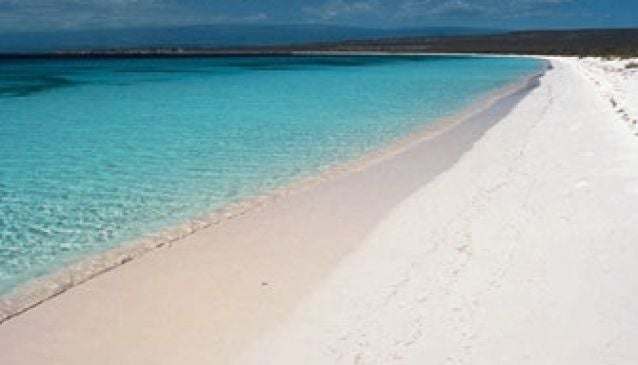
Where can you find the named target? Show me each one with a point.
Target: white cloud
(16, 15)
(335, 9)
(434, 8)
(28, 15)
(495, 9)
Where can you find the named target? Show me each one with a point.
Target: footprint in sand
(613, 102)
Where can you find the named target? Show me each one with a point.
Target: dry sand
(525, 252)
(495, 244)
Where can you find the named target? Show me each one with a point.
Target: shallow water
(94, 153)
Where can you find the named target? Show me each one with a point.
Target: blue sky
(30, 15)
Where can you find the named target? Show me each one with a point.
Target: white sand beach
(523, 253)
(511, 238)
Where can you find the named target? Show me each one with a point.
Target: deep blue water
(94, 153)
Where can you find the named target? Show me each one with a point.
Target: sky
(52, 15)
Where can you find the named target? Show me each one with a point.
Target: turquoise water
(94, 153)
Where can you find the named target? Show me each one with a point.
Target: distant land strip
(585, 42)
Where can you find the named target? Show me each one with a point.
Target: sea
(96, 153)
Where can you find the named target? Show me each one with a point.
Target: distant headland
(583, 42)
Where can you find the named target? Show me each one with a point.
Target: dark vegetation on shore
(593, 42)
(588, 42)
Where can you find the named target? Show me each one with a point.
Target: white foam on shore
(524, 252)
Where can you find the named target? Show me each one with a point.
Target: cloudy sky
(29, 15)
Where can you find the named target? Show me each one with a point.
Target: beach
(508, 237)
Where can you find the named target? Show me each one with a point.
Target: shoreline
(242, 271)
(41, 289)
(507, 239)
(523, 252)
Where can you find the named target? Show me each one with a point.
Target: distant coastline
(585, 42)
